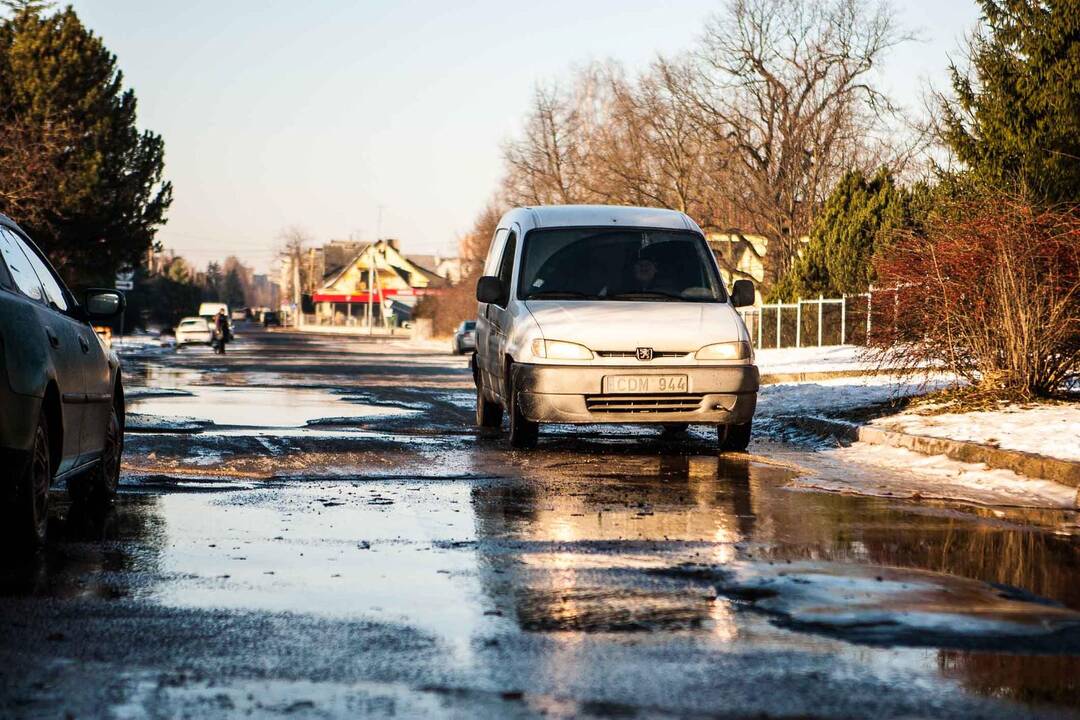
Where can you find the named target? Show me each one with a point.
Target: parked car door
(54, 331)
(499, 317)
(91, 356)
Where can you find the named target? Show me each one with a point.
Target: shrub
(990, 290)
(447, 309)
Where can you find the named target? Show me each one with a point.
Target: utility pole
(297, 299)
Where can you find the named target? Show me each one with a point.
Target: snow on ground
(913, 475)
(826, 397)
(811, 359)
(1052, 430)
(142, 343)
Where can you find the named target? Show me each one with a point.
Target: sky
(328, 115)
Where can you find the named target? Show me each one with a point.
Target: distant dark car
(465, 338)
(271, 318)
(61, 398)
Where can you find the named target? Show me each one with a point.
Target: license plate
(645, 384)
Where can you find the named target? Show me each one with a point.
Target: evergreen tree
(857, 221)
(110, 196)
(1016, 123)
(212, 287)
(234, 289)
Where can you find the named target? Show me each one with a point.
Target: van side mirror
(742, 293)
(489, 289)
(102, 304)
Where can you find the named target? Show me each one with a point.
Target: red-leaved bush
(990, 290)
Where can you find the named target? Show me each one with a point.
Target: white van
(596, 314)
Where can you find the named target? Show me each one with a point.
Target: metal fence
(811, 322)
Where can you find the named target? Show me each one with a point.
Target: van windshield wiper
(559, 295)
(647, 294)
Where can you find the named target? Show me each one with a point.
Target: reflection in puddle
(567, 550)
(261, 407)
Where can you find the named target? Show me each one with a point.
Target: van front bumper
(574, 394)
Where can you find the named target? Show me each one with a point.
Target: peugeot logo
(644, 353)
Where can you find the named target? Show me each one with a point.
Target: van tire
(488, 414)
(524, 433)
(734, 438)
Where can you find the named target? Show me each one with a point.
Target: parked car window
(626, 265)
(19, 266)
(54, 294)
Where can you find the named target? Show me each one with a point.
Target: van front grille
(642, 403)
(633, 354)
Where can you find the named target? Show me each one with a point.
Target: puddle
(261, 407)
(340, 550)
(895, 606)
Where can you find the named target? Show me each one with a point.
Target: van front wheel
(523, 432)
(733, 438)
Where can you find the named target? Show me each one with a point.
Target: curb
(1064, 472)
(777, 378)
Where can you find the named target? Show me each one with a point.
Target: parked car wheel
(523, 433)
(32, 506)
(455, 348)
(488, 414)
(98, 486)
(733, 438)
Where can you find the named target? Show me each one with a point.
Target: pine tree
(233, 289)
(111, 198)
(857, 220)
(1016, 122)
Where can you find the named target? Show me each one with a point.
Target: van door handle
(84, 344)
(53, 340)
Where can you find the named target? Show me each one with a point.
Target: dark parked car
(61, 398)
(465, 338)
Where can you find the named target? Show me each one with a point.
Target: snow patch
(914, 475)
(1050, 430)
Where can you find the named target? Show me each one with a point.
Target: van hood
(623, 326)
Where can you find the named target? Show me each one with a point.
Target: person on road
(221, 332)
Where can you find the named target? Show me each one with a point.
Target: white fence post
(820, 306)
(869, 308)
(798, 323)
(843, 319)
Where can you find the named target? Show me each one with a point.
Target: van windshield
(618, 264)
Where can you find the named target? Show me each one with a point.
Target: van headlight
(724, 351)
(559, 350)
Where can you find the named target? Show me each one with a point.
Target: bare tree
(784, 88)
(30, 157)
(296, 276)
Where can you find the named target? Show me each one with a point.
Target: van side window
(495, 252)
(506, 265)
(19, 267)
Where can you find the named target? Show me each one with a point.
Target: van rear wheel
(733, 438)
(488, 414)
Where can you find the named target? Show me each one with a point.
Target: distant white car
(193, 331)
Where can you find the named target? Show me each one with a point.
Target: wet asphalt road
(309, 527)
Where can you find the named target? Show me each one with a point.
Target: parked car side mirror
(742, 293)
(489, 289)
(102, 304)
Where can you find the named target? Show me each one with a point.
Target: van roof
(548, 216)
